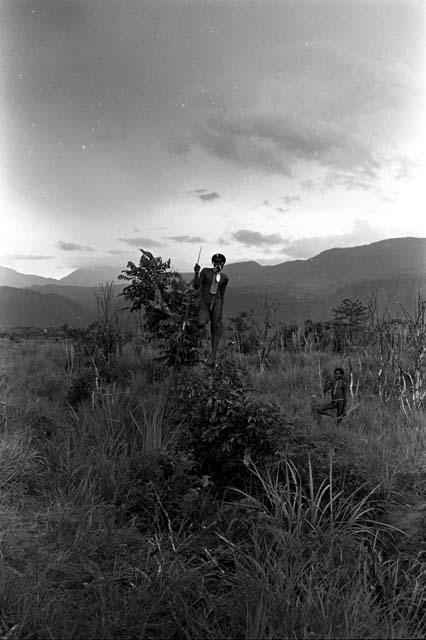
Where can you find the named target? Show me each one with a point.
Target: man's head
(218, 261)
(338, 372)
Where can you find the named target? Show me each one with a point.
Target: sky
(267, 130)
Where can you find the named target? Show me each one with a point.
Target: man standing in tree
(212, 282)
(337, 386)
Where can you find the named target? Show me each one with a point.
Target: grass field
(134, 505)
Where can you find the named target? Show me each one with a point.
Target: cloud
(233, 139)
(209, 196)
(256, 239)
(72, 246)
(206, 197)
(362, 232)
(307, 185)
(29, 256)
(140, 242)
(290, 199)
(346, 179)
(117, 252)
(189, 239)
(268, 205)
(329, 105)
(276, 143)
(204, 194)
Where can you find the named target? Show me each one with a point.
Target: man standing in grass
(212, 282)
(337, 405)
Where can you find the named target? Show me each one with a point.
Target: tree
(351, 312)
(169, 304)
(349, 319)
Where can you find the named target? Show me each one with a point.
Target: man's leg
(203, 316)
(340, 406)
(216, 328)
(325, 410)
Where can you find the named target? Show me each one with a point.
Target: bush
(161, 489)
(170, 306)
(226, 424)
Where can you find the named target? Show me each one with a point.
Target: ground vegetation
(147, 496)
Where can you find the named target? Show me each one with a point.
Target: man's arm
(222, 286)
(197, 277)
(327, 383)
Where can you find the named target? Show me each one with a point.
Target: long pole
(187, 305)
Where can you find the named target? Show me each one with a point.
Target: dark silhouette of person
(337, 405)
(212, 282)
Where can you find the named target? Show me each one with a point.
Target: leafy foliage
(170, 306)
(227, 425)
(351, 312)
(158, 487)
(349, 319)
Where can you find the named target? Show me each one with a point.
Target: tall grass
(381, 437)
(20, 462)
(105, 533)
(299, 511)
(310, 567)
(96, 449)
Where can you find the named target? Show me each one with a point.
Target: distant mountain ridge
(12, 278)
(88, 277)
(394, 268)
(338, 266)
(92, 276)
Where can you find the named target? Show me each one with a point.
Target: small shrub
(227, 424)
(159, 489)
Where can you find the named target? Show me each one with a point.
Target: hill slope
(84, 296)
(337, 267)
(91, 277)
(12, 278)
(24, 307)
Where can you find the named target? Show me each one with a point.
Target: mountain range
(394, 269)
(88, 277)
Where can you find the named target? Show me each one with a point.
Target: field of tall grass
(141, 502)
